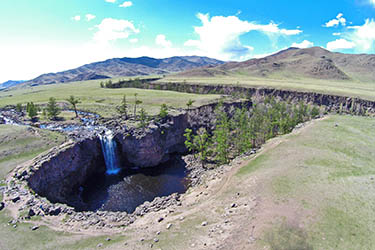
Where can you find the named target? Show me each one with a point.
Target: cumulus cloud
(219, 36)
(112, 29)
(133, 40)
(336, 21)
(303, 45)
(110, 1)
(76, 18)
(363, 36)
(340, 44)
(162, 41)
(90, 17)
(126, 4)
(337, 33)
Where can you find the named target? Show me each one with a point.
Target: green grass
(19, 144)
(365, 90)
(101, 100)
(326, 174)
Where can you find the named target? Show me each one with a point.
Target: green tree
(314, 112)
(123, 108)
(143, 118)
(221, 135)
(101, 84)
(163, 111)
(52, 109)
(136, 103)
(74, 101)
(198, 143)
(19, 108)
(31, 111)
(189, 103)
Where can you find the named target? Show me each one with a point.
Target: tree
(72, 100)
(221, 135)
(123, 108)
(19, 107)
(163, 111)
(314, 112)
(136, 102)
(52, 109)
(101, 84)
(143, 118)
(189, 103)
(31, 111)
(198, 143)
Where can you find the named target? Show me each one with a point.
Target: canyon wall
(332, 102)
(59, 174)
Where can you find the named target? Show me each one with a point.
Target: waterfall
(109, 152)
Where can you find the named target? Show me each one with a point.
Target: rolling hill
(9, 84)
(315, 63)
(121, 67)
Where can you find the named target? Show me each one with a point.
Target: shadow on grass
(287, 237)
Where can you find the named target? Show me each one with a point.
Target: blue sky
(48, 36)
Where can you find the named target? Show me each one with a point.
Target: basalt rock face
(156, 144)
(331, 102)
(59, 174)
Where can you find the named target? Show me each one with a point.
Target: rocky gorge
(51, 185)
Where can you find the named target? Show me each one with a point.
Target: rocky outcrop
(158, 142)
(59, 174)
(332, 102)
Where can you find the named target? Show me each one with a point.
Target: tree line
(246, 129)
(50, 111)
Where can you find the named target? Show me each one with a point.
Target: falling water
(109, 152)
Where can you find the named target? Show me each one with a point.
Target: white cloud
(126, 4)
(162, 41)
(336, 21)
(338, 33)
(112, 29)
(90, 17)
(340, 44)
(134, 40)
(303, 45)
(110, 1)
(363, 36)
(372, 2)
(219, 36)
(76, 18)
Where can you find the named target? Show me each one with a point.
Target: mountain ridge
(315, 63)
(122, 67)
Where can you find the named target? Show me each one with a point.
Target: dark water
(131, 188)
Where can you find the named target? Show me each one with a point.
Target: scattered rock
(204, 223)
(2, 205)
(142, 239)
(336, 125)
(99, 245)
(182, 218)
(108, 239)
(15, 199)
(233, 205)
(158, 233)
(35, 228)
(156, 240)
(160, 219)
(169, 226)
(31, 212)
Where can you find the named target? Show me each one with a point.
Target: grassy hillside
(101, 100)
(317, 187)
(365, 90)
(19, 144)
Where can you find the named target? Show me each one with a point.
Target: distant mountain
(119, 67)
(9, 84)
(316, 62)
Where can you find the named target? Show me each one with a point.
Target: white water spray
(109, 152)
